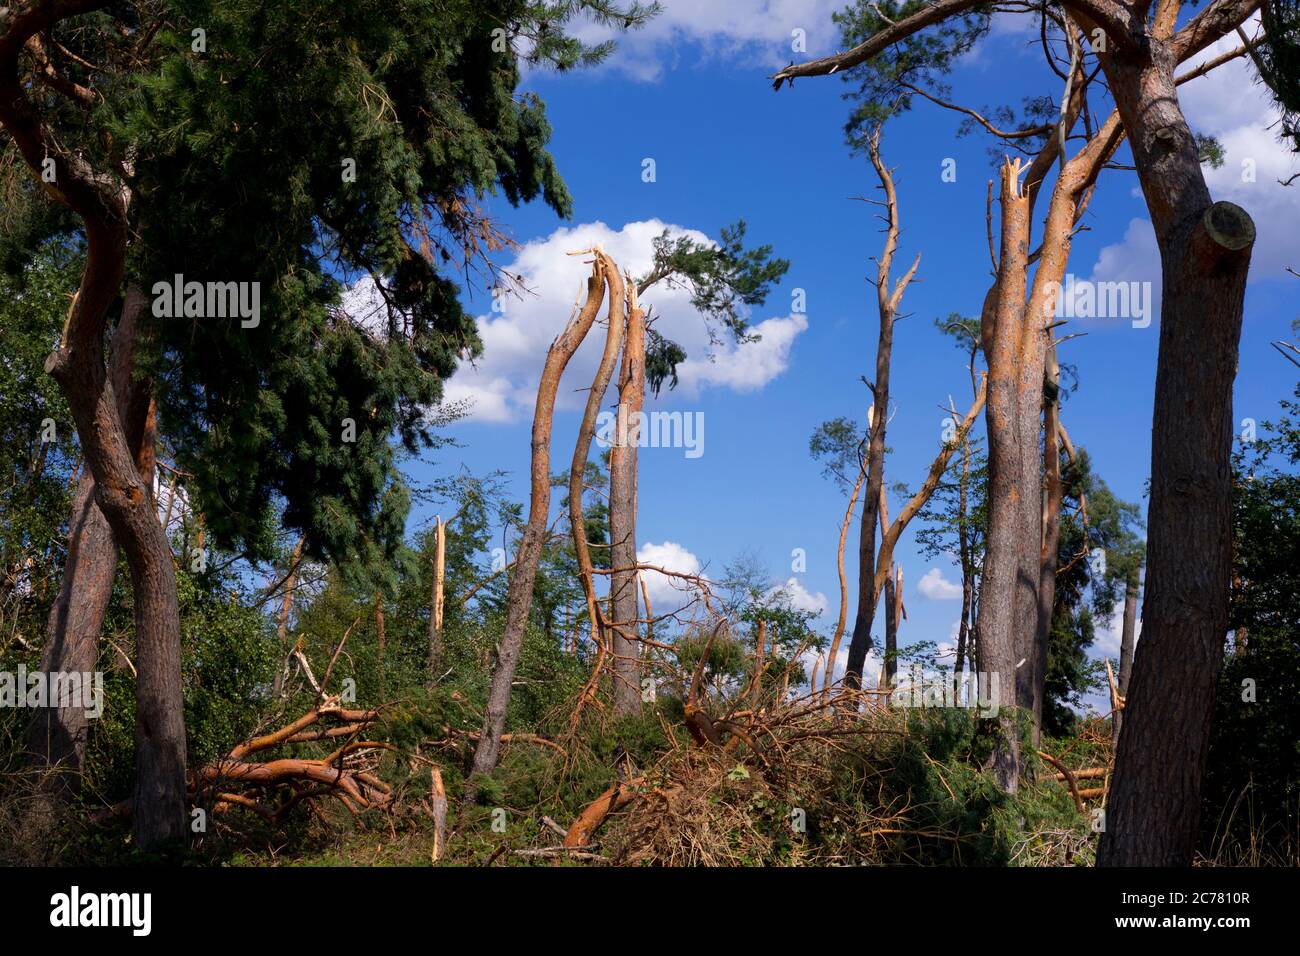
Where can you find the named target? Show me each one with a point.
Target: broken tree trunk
(520, 595)
(436, 600)
(887, 302)
(625, 645)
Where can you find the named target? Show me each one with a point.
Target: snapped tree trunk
(625, 645)
(600, 631)
(436, 599)
(519, 596)
(286, 605)
(1002, 313)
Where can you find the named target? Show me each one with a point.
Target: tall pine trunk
(1153, 809)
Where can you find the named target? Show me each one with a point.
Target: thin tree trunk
(834, 653)
(893, 609)
(286, 606)
(1002, 313)
(617, 326)
(520, 595)
(1127, 637)
(887, 301)
(622, 514)
(436, 599)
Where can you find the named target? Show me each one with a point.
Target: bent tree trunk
(1153, 810)
(128, 505)
(56, 737)
(519, 597)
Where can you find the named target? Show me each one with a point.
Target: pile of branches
(272, 788)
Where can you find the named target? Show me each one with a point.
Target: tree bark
(1153, 810)
(520, 594)
(600, 631)
(286, 606)
(622, 515)
(1052, 500)
(1002, 314)
(56, 737)
(436, 599)
(1127, 637)
(893, 605)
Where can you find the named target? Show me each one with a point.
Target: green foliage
(1278, 60)
(35, 474)
(1252, 790)
(919, 60)
(724, 280)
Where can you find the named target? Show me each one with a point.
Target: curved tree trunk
(520, 595)
(56, 737)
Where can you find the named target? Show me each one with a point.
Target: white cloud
(748, 31)
(502, 385)
(934, 587)
(668, 593)
(798, 597)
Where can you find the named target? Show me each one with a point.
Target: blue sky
(692, 94)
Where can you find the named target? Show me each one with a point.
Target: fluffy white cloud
(934, 587)
(795, 595)
(502, 385)
(750, 31)
(668, 593)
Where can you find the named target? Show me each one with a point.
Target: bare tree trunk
(1153, 809)
(834, 652)
(127, 502)
(964, 637)
(622, 515)
(520, 595)
(436, 599)
(893, 607)
(1127, 636)
(600, 632)
(887, 301)
(286, 606)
